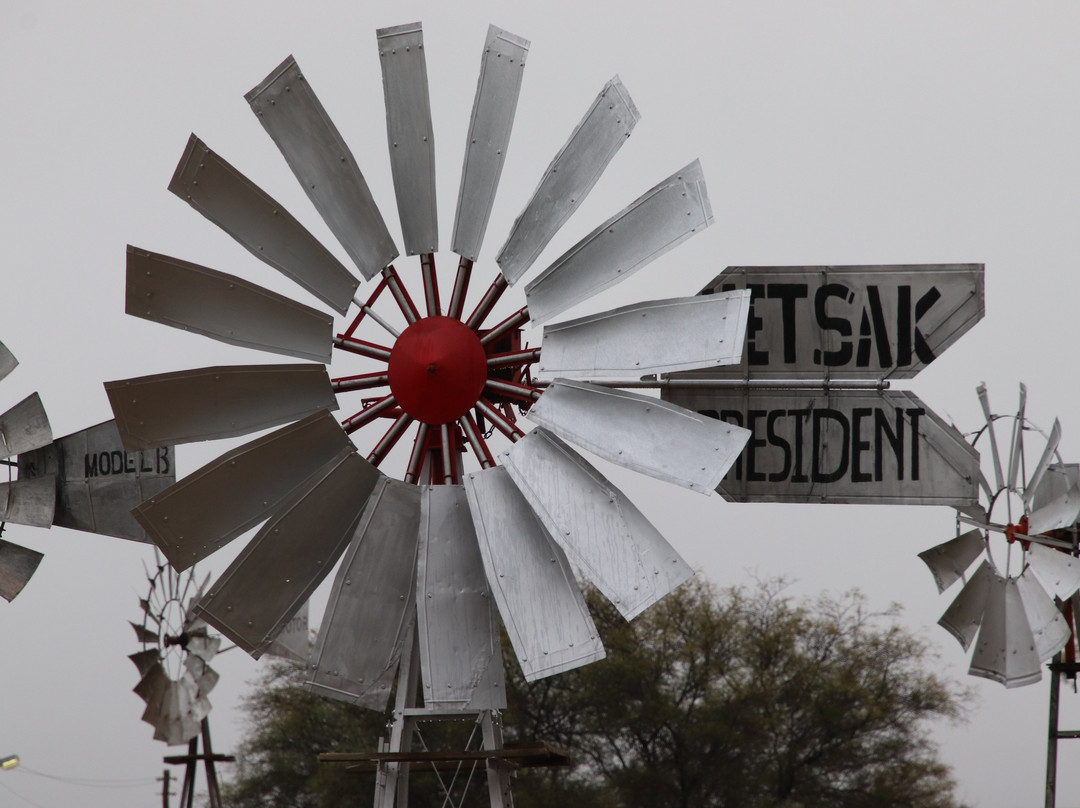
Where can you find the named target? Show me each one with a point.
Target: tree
(741, 697)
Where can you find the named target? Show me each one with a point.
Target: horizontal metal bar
(735, 384)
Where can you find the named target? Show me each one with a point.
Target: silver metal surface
(410, 135)
(492, 118)
(641, 433)
(194, 298)
(851, 322)
(292, 114)
(1048, 628)
(984, 402)
(153, 688)
(1059, 572)
(1055, 504)
(965, 613)
(949, 560)
(460, 653)
(541, 606)
(375, 588)
(98, 483)
(29, 502)
(212, 506)
(294, 641)
(1052, 443)
(659, 336)
(665, 216)
(1016, 456)
(17, 565)
(569, 178)
(274, 575)
(847, 446)
(215, 402)
(604, 535)
(1005, 649)
(8, 362)
(244, 211)
(24, 427)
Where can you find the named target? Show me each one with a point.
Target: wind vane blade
(248, 214)
(984, 400)
(569, 178)
(410, 135)
(17, 565)
(489, 135)
(293, 116)
(24, 427)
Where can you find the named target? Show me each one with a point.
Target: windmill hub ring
(437, 369)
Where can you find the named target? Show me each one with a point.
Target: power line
(91, 782)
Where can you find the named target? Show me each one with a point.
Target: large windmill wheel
(466, 528)
(1007, 606)
(23, 428)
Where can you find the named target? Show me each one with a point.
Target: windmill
(175, 674)
(429, 561)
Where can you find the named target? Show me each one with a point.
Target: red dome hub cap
(437, 369)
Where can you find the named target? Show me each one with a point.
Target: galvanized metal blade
(1036, 478)
(645, 434)
(1048, 626)
(226, 308)
(8, 362)
(965, 613)
(1016, 452)
(1059, 572)
(17, 566)
(294, 641)
(460, 653)
(410, 135)
(541, 606)
(599, 528)
(278, 570)
(153, 688)
(24, 427)
(1005, 650)
(292, 114)
(501, 68)
(659, 336)
(1060, 512)
(948, 561)
(97, 482)
(244, 211)
(569, 178)
(145, 660)
(29, 502)
(984, 400)
(215, 402)
(211, 507)
(145, 636)
(205, 677)
(203, 646)
(376, 588)
(662, 218)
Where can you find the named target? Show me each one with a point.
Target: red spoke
(449, 454)
(412, 471)
(520, 317)
(487, 302)
(499, 421)
(393, 434)
(362, 347)
(365, 381)
(514, 359)
(401, 295)
(367, 414)
(431, 284)
(476, 441)
(461, 288)
(519, 392)
(365, 308)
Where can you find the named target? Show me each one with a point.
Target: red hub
(437, 369)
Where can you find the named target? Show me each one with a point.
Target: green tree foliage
(741, 698)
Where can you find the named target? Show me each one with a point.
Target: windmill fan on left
(174, 663)
(23, 501)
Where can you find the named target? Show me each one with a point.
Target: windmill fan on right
(1020, 603)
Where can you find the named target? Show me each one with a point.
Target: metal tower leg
(1052, 742)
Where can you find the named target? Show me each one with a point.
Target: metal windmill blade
(435, 558)
(175, 676)
(1009, 602)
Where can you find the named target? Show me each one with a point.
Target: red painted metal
(487, 302)
(431, 284)
(392, 436)
(499, 421)
(364, 381)
(368, 414)
(437, 369)
(363, 309)
(520, 317)
(461, 287)
(401, 294)
(362, 347)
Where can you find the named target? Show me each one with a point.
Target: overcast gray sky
(829, 132)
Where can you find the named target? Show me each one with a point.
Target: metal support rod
(393, 434)
(476, 441)
(668, 383)
(212, 788)
(365, 381)
(506, 360)
(363, 348)
(365, 415)
(1051, 746)
(401, 295)
(519, 317)
(364, 307)
(499, 421)
(431, 284)
(518, 391)
(487, 302)
(412, 471)
(461, 288)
